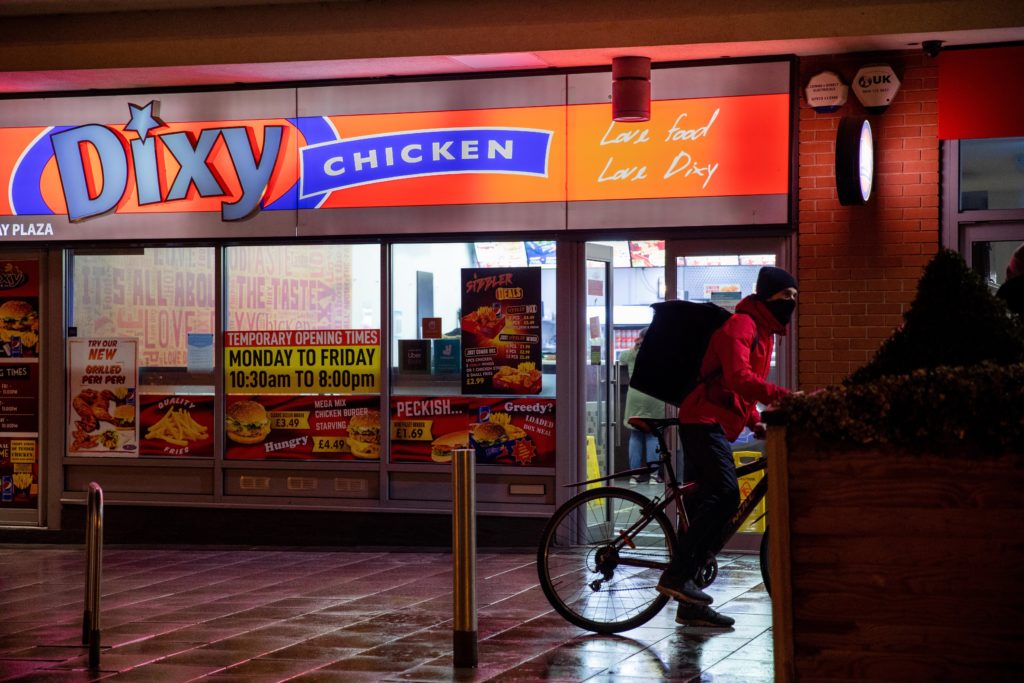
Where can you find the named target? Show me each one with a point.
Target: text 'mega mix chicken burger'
(247, 422)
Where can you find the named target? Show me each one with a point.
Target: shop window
(473, 348)
(991, 174)
(302, 352)
(141, 356)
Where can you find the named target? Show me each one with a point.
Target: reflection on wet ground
(325, 615)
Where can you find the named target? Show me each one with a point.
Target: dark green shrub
(954, 320)
(951, 378)
(979, 408)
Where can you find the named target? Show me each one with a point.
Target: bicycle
(602, 552)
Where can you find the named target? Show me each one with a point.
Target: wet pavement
(338, 615)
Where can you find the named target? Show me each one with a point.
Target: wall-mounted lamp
(631, 88)
(855, 160)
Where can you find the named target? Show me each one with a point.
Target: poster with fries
(176, 425)
(103, 378)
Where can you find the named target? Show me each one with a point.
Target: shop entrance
(724, 272)
(988, 248)
(599, 358)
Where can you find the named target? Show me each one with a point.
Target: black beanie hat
(771, 281)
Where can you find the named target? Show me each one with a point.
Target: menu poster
(173, 425)
(19, 397)
(501, 331)
(647, 253)
(19, 309)
(102, 382)
(500, 431)
(19, 473)
(276, 427)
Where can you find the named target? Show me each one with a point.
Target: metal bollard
(464, 637)
(93, 568)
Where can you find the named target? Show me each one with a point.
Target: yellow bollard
(464, 636)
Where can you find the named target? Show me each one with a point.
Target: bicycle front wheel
(600, 559)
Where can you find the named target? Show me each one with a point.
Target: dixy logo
(90, 194)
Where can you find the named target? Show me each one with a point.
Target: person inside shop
(1012, 289)
(736, 366)
(643, 446)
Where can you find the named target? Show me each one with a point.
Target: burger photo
(247, 422)
(489, 439)
(124, 417)
(364, 435)
(443, 447)
(19, 319)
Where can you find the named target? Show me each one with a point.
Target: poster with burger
(510, 431)
(19, 309)
(501, 328)
(307, 427)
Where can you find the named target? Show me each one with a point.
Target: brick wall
(858, 266)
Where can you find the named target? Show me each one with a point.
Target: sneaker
(634, 479)
(658, 479)
(685, 591)
(689, 614)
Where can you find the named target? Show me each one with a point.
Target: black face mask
(782, 309)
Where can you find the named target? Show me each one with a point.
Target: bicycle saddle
(650, 424)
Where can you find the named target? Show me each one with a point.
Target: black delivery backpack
(668, 361)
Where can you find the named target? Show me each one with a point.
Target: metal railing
(93, 572)
(464, 636)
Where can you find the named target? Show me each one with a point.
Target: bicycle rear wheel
(594, 577)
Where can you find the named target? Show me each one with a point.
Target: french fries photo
(178, 428)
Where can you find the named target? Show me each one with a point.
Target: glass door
(598, 362)
(988, 248)
(724, 272)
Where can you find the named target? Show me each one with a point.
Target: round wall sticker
(855, 160)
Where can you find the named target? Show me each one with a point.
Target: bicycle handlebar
(651, 424)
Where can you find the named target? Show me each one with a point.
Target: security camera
(932, 47)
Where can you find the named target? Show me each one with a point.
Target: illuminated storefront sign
(725, 146)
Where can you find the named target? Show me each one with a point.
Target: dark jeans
(707, 460)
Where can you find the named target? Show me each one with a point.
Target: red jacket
(730, 398)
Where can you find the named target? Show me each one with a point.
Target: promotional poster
(500, 431)
(501, 314)
(19, 309)
(276, 427)
(176, 425)
(103, 380)
(19, 472)
(302, 362)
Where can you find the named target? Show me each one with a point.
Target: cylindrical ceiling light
(631, 89)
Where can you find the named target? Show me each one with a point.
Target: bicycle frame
(677, 492)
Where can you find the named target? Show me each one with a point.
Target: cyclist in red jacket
(735, 368)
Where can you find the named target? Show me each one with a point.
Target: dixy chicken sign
(88, 194)
(691, 148)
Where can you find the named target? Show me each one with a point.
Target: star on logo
(144, 119)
